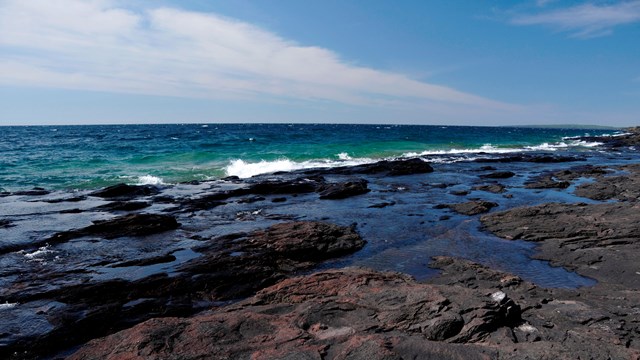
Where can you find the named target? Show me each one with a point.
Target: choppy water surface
(85, 157)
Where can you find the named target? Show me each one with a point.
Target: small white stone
(498, 296)
(527, 328)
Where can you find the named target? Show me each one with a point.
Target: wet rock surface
(471, 207)
(630, 138)
(230, 267)
(386, 167)
(344, 190)
(124, 191)
(177, 259)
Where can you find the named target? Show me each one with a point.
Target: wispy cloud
(587, 20)
(102, 45)
(542, 3)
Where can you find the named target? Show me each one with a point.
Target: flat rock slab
(357, 313)
(340, 314)
(597, 240)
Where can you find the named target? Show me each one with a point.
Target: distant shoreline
(559, 126)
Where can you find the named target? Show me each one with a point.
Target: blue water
(86, 157)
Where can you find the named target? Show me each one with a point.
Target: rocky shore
(253, 269)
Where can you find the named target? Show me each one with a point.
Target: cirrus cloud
(587, 20)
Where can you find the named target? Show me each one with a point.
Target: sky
(436, 62)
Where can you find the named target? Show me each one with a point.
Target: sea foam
(149, 180)
(7, 306)
(243, 169)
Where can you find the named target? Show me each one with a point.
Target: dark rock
(251, 199)
(365, 314)
(229, 267)
(71, 211)
(382, 205)
(128, 225)
(459, 192)
(630, 138)
(5, 223)
(124, 191)
(146, 262)
(279, 199)
(532, 158)
(472, 207)
(546, 182)
(33, 192)
(498, 175)
(123, 206)
(308, 240)
(269, 187)
(624, 187)
(163, 199)
(409, 167)
(389, 167)
(344, 189)
(297, 186)
(67, 199)
(577, 236)
(492, 188)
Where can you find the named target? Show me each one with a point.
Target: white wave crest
(547, 147)
(487, 149)
(39, 253)
(243, 169)
(7, 306)
(149, 180)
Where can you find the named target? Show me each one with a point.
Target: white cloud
(587, 20)
(101, 45)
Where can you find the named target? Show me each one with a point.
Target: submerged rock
(492, 188)
(471, 207)
(344, 189)
(546, 182)
(498, 175)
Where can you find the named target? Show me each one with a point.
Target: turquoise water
(84, 157)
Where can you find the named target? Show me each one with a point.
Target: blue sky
(339, 61)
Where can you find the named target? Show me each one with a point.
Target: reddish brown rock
(362, 314)
(339, 314)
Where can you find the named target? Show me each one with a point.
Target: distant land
(570, 126)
